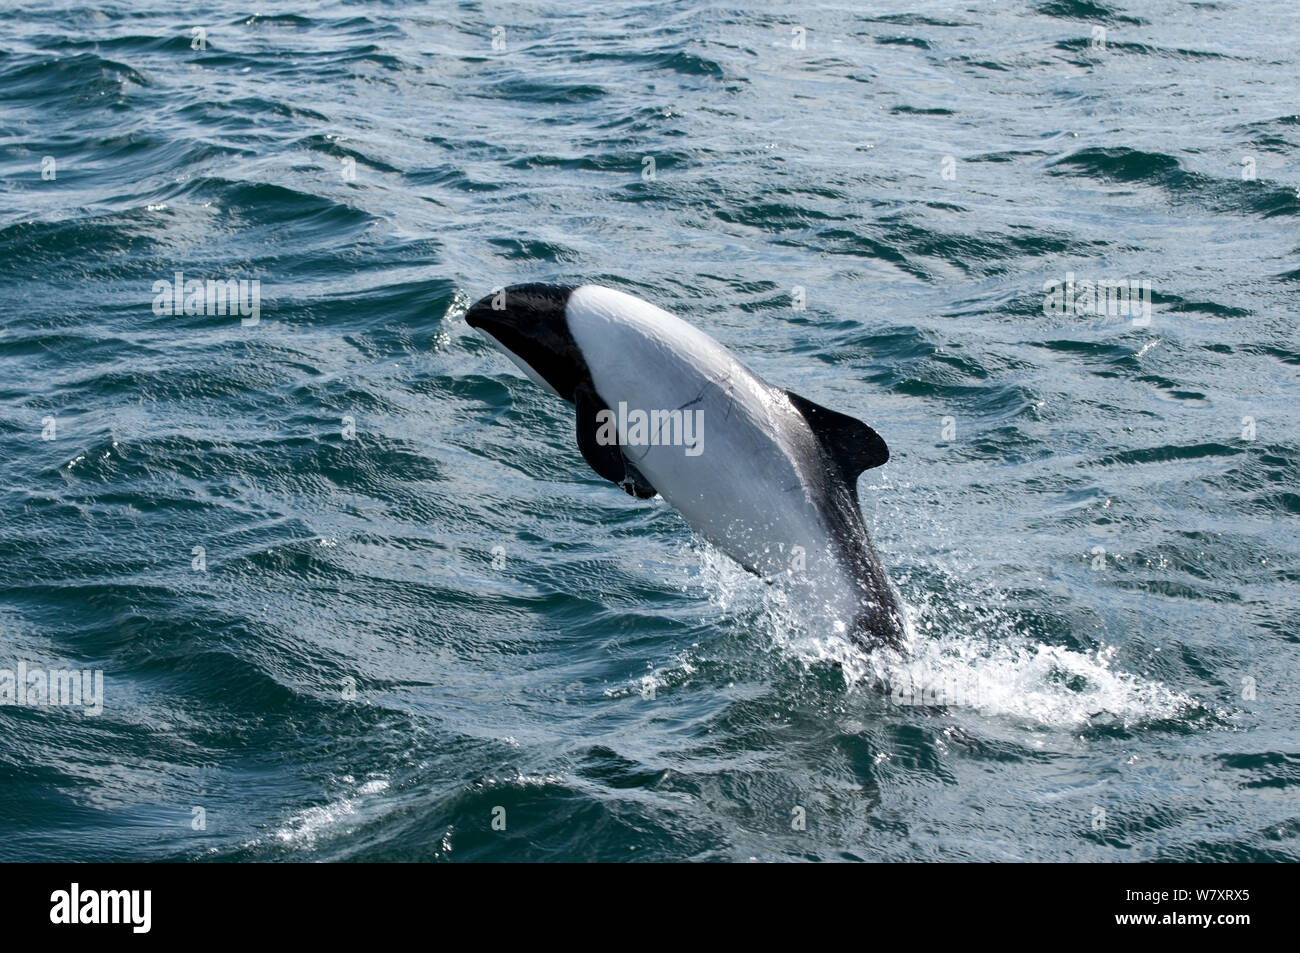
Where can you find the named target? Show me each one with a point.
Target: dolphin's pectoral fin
(598, 441)
(848, 441)
(603, 454)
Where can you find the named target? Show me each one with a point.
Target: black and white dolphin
(766, 475)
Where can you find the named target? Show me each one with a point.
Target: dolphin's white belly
(741, 486)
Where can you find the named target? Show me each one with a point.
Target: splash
(1025, 681)
(978, 656)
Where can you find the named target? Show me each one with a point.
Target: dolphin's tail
(879, 627)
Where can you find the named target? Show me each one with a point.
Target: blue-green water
(1093, 523)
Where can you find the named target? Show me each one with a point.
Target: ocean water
(353, 592)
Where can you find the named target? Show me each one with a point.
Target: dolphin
(767, 476)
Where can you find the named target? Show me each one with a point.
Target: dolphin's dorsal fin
(606, 459)
(851, 444)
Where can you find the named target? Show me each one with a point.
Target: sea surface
(353, 593)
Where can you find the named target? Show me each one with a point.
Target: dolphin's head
(528, 324)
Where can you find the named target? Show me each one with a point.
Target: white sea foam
(959, 656)
(305, 827)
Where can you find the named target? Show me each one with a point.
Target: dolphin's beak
(530, 309)
(480, 315)
(527, 323)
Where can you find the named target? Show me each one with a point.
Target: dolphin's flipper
(850, 443)
(606, 459)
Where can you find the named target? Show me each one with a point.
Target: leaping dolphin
(767, 476)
